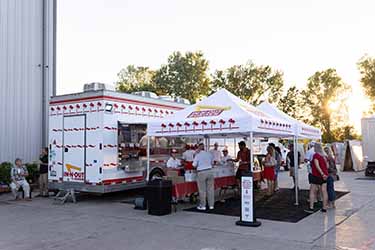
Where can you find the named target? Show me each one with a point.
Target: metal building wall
(24, 80)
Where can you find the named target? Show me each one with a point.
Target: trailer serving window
(132, 146)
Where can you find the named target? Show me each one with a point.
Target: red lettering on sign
(75, 175)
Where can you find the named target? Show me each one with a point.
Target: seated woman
(175, 163)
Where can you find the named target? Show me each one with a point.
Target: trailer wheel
(156, 174)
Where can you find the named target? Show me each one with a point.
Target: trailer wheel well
(156, 173)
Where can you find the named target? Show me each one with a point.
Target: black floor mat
(366, 178)
(279, 207)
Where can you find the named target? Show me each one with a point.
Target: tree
(185, 75)
(366, 66)
(323, 89)
(345, 133)
(134, 78)
(292, 103)
(250, 82)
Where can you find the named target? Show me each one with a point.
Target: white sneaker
(211, 208)
(202, 208)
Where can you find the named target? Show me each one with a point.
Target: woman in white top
(226, 159)
(175, 163)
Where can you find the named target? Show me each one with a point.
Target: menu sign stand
(247, 218)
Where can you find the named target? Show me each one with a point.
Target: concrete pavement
(96, 223)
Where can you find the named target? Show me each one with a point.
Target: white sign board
(247, 199)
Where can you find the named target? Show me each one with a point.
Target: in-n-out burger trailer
(97, 140)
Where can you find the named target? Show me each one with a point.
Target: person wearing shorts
(319, 175)
(269, 163)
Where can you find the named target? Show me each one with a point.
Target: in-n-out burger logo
(75, 175)
(207, 111)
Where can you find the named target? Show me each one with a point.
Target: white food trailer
(368, 144)
(97, 140)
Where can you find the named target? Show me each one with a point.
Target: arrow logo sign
(69, 167)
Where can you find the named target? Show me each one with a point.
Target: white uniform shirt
(225, 158)
(188, 155)
(309, 156)
(173, 163)
(203, 160)
(216, 154)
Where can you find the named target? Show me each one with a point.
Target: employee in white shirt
(188, 157)
(226, 159)
(216, 153)
(203, 161)
(175, 163)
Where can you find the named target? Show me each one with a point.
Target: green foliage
(323, 89)
(345, 133)
(33, 170)
(5, 167)
(366, 66)
(133, 79)
(292, 103)
(5, 172)
(250, 82)
(185, 75)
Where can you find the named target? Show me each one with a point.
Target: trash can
(159, 197)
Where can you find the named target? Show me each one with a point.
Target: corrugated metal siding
(21, 91)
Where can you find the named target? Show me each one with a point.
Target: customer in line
(332, 177)
(278, 159)
(43, 173)
(18, 174)
(290, 163)
(269, 163)
(319, 178)
(203, 161)
(308, 161)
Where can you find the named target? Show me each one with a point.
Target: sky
(97, 38)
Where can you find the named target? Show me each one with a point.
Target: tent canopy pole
(295, 163)
(148, 158)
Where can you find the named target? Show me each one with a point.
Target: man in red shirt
(243, 157)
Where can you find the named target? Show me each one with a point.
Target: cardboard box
(172, 173)
(175, 179)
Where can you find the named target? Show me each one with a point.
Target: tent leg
(148, 159)
(251, 153)
(295, 152)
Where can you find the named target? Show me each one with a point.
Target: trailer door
(74, 153)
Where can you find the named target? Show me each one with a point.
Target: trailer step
(64, 195)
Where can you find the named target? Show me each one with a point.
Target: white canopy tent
(301, 131)
(219, 115)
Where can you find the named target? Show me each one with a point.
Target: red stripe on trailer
(114, 99)
(121, 180)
